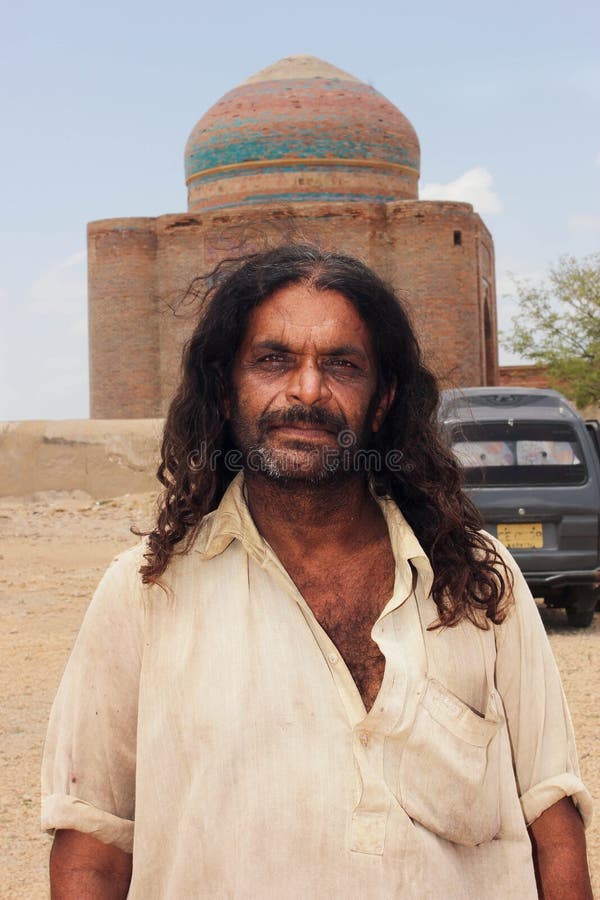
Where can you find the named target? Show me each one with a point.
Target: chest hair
(346, 603)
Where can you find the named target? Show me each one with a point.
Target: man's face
(304, 386)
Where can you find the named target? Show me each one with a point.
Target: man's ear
(386, 398)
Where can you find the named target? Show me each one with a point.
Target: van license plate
(522, 536)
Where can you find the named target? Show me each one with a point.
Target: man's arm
(83, 868)
(559, 857)
(89, 762)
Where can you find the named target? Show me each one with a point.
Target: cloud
(474, 186)
(61, 289)
(584, 222)
(598, 159)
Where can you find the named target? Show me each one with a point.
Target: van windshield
(519, 453)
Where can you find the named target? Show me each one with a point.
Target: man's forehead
(304, 313)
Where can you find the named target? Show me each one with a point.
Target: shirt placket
(370, 815)
(398, 635)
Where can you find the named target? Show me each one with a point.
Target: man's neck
(307, 518)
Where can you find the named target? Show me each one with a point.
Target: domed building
(301, 150)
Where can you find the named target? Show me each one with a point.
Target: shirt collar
(232, 520)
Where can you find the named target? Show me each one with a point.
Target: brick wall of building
(524, 376)
(123, 323)
(432, 252)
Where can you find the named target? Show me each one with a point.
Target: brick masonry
(524, 376)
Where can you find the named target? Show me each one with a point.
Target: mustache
(278, 418)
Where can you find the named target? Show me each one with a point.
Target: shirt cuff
(65, 811)
(548, 792)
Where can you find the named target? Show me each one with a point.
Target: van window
(519, 453)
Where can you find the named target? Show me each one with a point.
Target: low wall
(104, 457)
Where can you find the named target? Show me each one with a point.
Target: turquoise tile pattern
(284, 122)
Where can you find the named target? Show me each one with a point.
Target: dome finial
(300, 66)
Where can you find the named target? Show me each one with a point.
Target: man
(316, 678)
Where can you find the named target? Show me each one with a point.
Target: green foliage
(558, 326)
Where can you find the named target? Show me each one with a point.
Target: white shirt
(219, 716)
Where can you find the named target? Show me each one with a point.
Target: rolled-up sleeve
(538, 719)
(88, 769)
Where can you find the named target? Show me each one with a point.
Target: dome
(301, 130)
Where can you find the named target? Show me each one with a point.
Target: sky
(97, 102)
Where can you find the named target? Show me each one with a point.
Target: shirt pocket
(449, 771)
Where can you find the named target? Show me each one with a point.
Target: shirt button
(333, 658)
(363, 738)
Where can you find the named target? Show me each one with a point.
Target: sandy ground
(53, 550)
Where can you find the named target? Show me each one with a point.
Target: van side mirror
(593, 427)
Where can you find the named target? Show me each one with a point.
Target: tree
(558, 326)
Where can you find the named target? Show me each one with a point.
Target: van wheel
(580, 612)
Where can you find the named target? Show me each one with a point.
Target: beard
(297, 460)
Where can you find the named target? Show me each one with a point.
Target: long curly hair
(470, 578)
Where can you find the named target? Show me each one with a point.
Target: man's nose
(308, 385)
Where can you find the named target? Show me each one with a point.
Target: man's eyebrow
(277, 346)
(346, 350)
(339, 350)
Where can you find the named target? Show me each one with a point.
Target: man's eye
(339, 363)
(272, 359)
